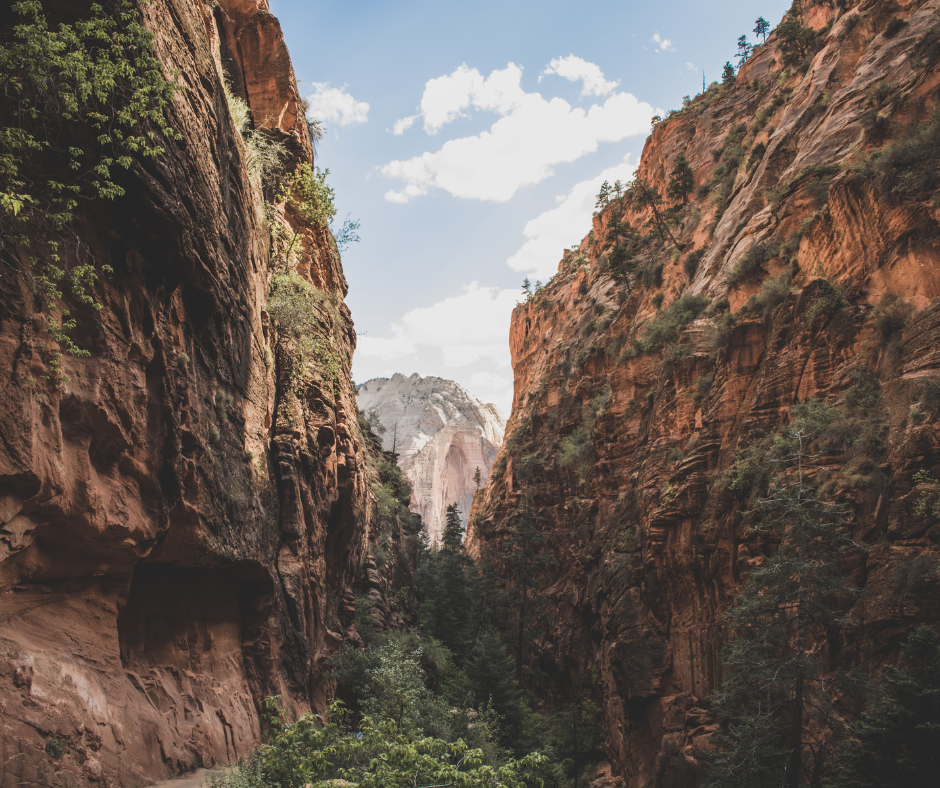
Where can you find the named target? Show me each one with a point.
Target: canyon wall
(180, 521)
(442, 435)
(629, 414)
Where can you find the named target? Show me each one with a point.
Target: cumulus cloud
(550, 233)
(519, 149)
(575, 68)
(336, 105)
(451, 96)
(664, 44)
(466, 328)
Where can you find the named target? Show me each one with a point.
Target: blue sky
(509, 114)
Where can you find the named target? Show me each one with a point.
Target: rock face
(648, 541)
(442, 435)
(175, 517)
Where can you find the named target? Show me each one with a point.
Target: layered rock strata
(442, 435)
(620, 445)
(179, 521)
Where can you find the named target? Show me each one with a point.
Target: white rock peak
(441, 434)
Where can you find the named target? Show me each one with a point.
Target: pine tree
(452, 538)
(493, 683)
(445, 577)
(762, 28)
(772, 699)
(727, 74)
(643, 194)
(897, 743)
(477, 478)
(603, 196)
(617, 189)
(681, 179)
(744, 50)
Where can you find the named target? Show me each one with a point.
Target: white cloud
(664, 44)
(691, 67)
(336, 105)
(575, 68)
(449, 97)
(556, 229)
(402, 125)
(467, 328)
(519, 149)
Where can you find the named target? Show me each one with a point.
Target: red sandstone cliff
(178, 524)
(648, 542)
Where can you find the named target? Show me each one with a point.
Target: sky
(470, 139)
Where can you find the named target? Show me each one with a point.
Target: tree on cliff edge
(773, 701)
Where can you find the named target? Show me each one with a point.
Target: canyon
(442, 436)
(200, 509)
(655, 358)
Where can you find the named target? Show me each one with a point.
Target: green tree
(744, 50)
(578, 737)
(896, 744)
(681, 179)
(762, 28)
(642, 195)
(727, 74)
(493, 683)
(795, 40)
(773, 700)
(477, 478)
(446, 579)
(452, 538)
(603, 196)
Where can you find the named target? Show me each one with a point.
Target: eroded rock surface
(648, 542)
(441, 433)
(180, 523)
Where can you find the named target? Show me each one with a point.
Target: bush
(702, 386)
(890, 317)
(718, 333)
(908, 168)
(298, 308)
(665, 327)
(690, 264)
(773, 292)
(749, 265)
(895, 26)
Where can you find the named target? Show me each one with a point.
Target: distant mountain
(441, 434)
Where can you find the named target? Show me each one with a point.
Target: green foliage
(78, 102)
(749, 265)
(691, 261)
(452, 538)
(304, 314)
(762, 28)
(576, 450)
(665, 327)
(642, 195)
(773, 292)
(264, 155)
(829, 299)
(54, 749)
(744, 50)
(307, 192)
(702, 386)
(727, 74)
(773, 697)
(896, 744)
(907, 168)
(796, 41)
(681, 179)
(890, 317)
(928, 501)
(377, 755)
